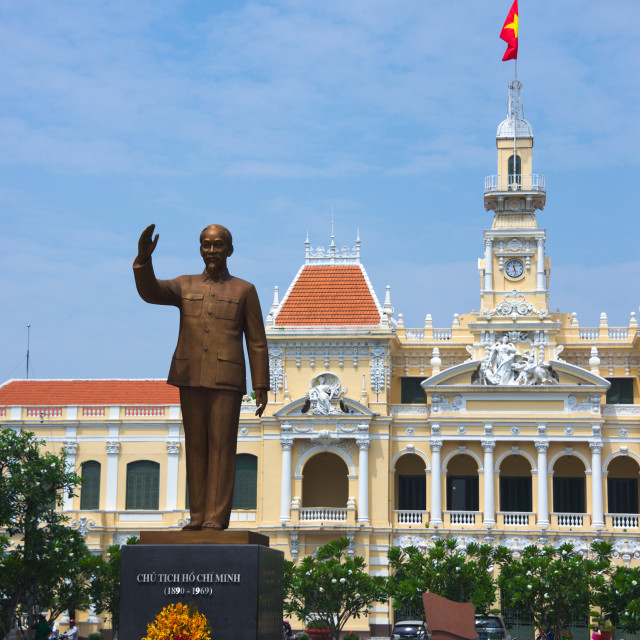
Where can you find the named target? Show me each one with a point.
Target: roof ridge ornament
(332, 256)
(515, 115)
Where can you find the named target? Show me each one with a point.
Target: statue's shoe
(192, 526)
(210, 524)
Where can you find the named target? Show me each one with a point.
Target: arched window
(245, 491)
(569, 485)
(90, 492)
(515, 484)
(411, 485)
(462, 484)
(325, 482)
(143, 485)
(515, 176)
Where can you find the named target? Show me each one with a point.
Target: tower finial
(333, 244)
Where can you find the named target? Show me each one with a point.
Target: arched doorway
(515, 490)
(325, 488)
(462, 484)
(410, 491)
(569, 490)
(622, 492)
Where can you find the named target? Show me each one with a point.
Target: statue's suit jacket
(214, 316)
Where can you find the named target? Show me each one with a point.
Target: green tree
(105, 583)
(332, 586)
(617, 594)
(552, 586)
(444, 570)
(32, 485)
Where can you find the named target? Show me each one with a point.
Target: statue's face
(214, 248)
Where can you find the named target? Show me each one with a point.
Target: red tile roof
(87, 392)
(329, 295)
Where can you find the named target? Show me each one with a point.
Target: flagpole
(513, 115)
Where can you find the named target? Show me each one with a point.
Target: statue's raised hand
(147, 244)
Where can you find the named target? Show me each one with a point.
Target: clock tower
(514, 272)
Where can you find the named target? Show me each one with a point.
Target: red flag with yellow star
(509, 33)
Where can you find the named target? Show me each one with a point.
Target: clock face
(514, 268)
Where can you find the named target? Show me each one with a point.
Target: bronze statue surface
(217, 311)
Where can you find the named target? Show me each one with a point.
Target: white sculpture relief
(276, 370)
(345, 428)
(411, 431)
(325, 389)
(70, 447)
(439, 404)
(462, 430)
(591, 404)
(515, 305)
(244, 431)
(294, 546)
(504, 365)
(377, 373)
(173, 446)
(403, 542)
(464, 542)
(623, 433)
(302, 428)
(517, 544)
(568, 431)
(82, 525)
(113, 446)
(626, 550)
(579, 545)
(620, 410)
(515, 431)
(409, 410)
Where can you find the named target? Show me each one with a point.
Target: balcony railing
(515, 518)
(462, 517)
(611, 334)
(623, 520)
(411, 516)
(323, 514)
(525, 182)
(570, 519)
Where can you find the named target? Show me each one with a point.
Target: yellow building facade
(514, 426)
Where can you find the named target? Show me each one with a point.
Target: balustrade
(93, 412)
(462, 517)
(624, 520)
(411, 517)
(507, 182)
(515, 519)
(44, 412)
(323, 514)
(140, 411)
(570, 519)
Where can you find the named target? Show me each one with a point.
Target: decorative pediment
(354, 408)
(565, 374)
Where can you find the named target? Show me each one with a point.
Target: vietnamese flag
(509, 33)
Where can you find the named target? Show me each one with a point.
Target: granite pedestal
(238, 587)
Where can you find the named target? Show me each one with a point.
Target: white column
(488, 264)
(543, 499)
(286, 441)
(597, 517)
(363, 440)
(70, 448)
(489, 510)
(113, 450)
(436, 506)
(540, 283)
(173, 450)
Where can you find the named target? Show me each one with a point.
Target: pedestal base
(238, 587)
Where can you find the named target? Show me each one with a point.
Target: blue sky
(262, 116)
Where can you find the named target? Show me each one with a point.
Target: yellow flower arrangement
(179, 622)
